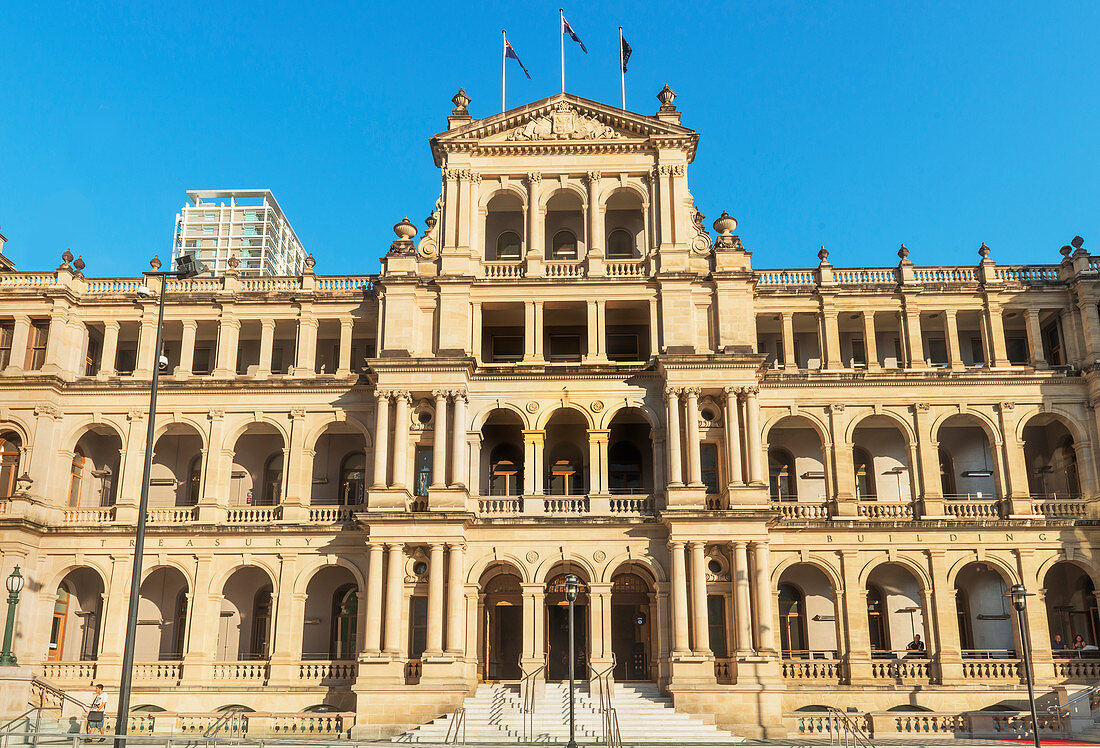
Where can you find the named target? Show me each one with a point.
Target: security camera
(145, 291)
(163, 363)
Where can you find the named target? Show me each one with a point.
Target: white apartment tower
(246, 224)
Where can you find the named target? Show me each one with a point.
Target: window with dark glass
(91, 357)
(708, 461)
(716, 625)
(423, 462)
(345, 611)
(859, 354)
(865, 474)
(353, 483)
(418, 626)
(564, 347)
(564, 245)
(7, 334)
(1052, 344)
(623, 347)
(9, 463)
(194, 480)
(564, 477)
(57, 625)
(792, 622)
(40, 333)
(179, 622)
(76, 478)
(508, 246)
(1068, 458)
(272, 489)
(977, 352)
(505, 471)
(624, 473)
(937, 352)
(781, 478)
(620, 245)
(876, 618)
(261, 625)
(947, 474)
(1016, 349)
(506, 348)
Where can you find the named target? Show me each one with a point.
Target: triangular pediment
(562, 119)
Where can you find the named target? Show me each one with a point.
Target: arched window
(505, 471)
(947, 474)
(273, 480)
(345, 612)
(9, 463)
(624, 468)
(353, 482)
(76, 478)
(876, 618)
(194, 480)
(792, 621)
(620, 245)
(508, 246)
(564, 245)
(564, 474)
(261, 624)
(865, 474)
(1069, 466)
(781, 476)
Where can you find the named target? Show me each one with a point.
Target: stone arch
(1004, 568)
(545, 416)
(509, 187)
(903, 425)
(73, 435)
(479, 417)
(549, 567)
(814, 422)
(630, 185)
(12, 423)
(170, 563)
(512, 562)
(1061, 557)
(635, 403)
(318, 429)
(186, 421)
(301, 582)
(219, 580)
(823, 565)
(88, 563)
(625, 560)
(909, 564)
(987, 424)
(229, 439)
(1080, 436)
(548, 192)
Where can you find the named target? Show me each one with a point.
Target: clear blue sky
(854, 125)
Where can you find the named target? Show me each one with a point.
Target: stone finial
(404, 229)
(310, 261)
(823, 254)
(725, 224)
(1077, 242)
(984, 250)
(1066, 250)
(903, 253)
(23, 485)
(155, 263)
(66, 258)
(666, 96)
(430, 221)
(461, 101)
(78, 263)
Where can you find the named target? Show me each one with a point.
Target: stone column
(473, 476)
(435, 601)
(853, 598)
(595, 215)
(914, 350)
(765, 616)
(344, 366)
(789, 361)
(306, 352)
(532, 462)
(701, 630)
(477, 344)
(21, 334)
(267, 345)
(870, 340)
(538, 328)
(187, 348)
(742, 605)
(534, 648)
(831, 330)
(733, 437)
(951, 330)
(381, 438)
(601, 329)
(439, 440)
(458, 441)
(599, 601)
(106, 358)
(695, 470)
(372, 642)
(534, 216)
(229, 330)
(675, 463)
(597, 460)
(529, 331)
(945, 622)
(395, 593)
(401, 440)
(752, 429)
(592, 331)
(680, 644)
(147, 337)
(456, 618)
(998, 355)
(1035, 339)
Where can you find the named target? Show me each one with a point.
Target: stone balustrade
(886, 510)
(164, 672)
(323, 672)
(812, 670)
(249, 671)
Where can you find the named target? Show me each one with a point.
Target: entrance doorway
(631, 627)
(502, 635)
(557, 631)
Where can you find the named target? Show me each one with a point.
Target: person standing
(97, 711)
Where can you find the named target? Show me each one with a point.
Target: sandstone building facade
(367, 489)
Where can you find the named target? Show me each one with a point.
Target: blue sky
(854, 125)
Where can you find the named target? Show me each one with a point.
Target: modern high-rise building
(246, 224)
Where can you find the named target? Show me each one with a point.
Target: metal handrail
(608, 715)
(848, 733)
(527, 692)
(234, 731)
(10, 723)
(457, 724)
(1062, 710)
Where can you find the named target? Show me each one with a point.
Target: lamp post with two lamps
(14, 583)
(1019, 594)
(571, 584)
(187, 266)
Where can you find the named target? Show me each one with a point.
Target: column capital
(459, 394)
(759, 544)
(676, 544)
(436, 544)
(593, 177)
(748, 392)
(456, 546)
(671, 392)
(693, 544)
(731, 391)
(383, 394)
(441, 395)
(691, 392)
(739, 544)
(534, 177)
(404, 395)
(375, 545)
(394, 546)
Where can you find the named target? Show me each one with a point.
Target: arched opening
(95, 468)
(162, 616)
(894, 613)
(10, 450)
(630, 453)
(985, 623)
(1071, 610)
(245, 631)
(557, 627)
(632, 628)
(564, 225)
(566, 448)
(807, 614)
(176, 477)
(501, 458)
(501, 601)
(624, 225)
(339, 467)
(967, 468)
(504, 227)
(331, 615)
(1051, 458)
(75, 617)
(796, 461)
(257, 473)
(884, 456)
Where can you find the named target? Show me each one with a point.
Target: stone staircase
(494, 714)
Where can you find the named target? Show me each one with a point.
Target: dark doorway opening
(557, 641)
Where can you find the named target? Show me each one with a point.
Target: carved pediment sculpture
(564, 123)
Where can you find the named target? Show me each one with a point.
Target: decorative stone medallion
(599, 557)
(532, 406)
(596, 406)
(532, 556)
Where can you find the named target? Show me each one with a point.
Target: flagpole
(503, 59)
(622, 72)
(561, 38)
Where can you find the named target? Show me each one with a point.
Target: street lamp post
(14, 584)
(1019, 593)
(571, 582)
(187, 266)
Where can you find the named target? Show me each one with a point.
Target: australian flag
(509, 52)
(567, 29)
